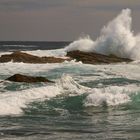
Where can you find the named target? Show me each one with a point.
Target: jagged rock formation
(85, 57)
(28, 58)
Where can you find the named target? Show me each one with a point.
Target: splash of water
(116, 38)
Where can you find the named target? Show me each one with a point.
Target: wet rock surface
(85, 57)
(95, 58)
(27, 79)
(28, 58)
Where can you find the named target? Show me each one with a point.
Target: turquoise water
(86, 102)
(66, 116)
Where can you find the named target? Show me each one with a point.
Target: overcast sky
(57, 20)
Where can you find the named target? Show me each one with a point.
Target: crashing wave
(116, 38)
(11, 103)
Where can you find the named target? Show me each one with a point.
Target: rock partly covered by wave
(28, 58)
(27, 79)
(85, 57)
(95, 58)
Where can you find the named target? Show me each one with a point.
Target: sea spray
(116, 38)
(82, 44)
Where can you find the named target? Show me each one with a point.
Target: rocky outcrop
(28, 58)
(95, 58)
(85, 57)
(27, 79)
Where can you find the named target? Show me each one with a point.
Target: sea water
(86, 101)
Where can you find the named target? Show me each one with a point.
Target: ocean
(86, 102)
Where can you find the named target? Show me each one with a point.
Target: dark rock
(95, 58)
(27, 79)
(28, 58)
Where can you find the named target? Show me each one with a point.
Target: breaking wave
(110, 96)
(13, 102)
(116, 38)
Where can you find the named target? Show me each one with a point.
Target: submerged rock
(95, 58)
(27, 79)
(28, 58)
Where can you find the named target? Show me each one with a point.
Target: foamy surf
(111, 96)
(116, 38)
(12, 103)
(61, 53)
(58, 53)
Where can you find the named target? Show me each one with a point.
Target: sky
(60, 20)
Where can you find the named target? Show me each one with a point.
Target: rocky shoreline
(95, 58)
(18, 56)
(84, 57)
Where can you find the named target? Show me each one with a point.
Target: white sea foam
(24, 68)
(11, 68)
(116, 38)
(108, 99)
(111, 96)
(55, 53)
(11, 103)
(69, 85)
(60, 53)
(82, 44)
(130, 71)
